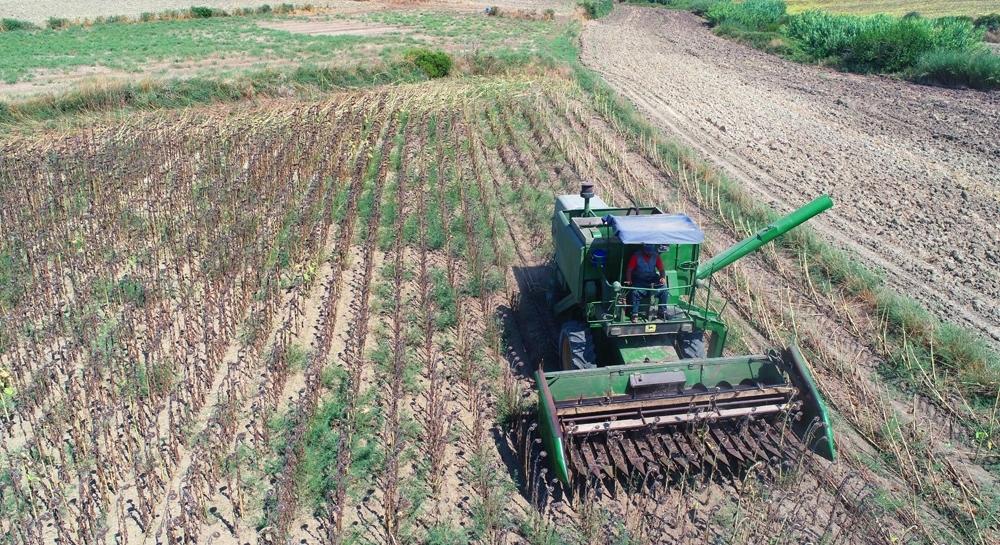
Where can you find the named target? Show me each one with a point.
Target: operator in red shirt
(645, 268)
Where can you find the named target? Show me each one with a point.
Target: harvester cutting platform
(644, 384)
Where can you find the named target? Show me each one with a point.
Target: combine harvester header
(639, 388)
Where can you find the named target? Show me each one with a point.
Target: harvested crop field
(315, 318)
(315, 322)
(914, 169)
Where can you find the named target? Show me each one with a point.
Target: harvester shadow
(531, 321)
(530, 343)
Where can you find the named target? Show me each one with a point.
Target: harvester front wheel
(576, 346)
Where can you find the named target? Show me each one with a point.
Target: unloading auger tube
(625, 397)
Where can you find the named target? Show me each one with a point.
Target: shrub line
(945, 51)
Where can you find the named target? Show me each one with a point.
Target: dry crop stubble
(252, 241)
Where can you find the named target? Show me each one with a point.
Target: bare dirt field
(41, 10)
(915, 170)
(38, 12)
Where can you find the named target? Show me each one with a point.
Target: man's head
(649, 249)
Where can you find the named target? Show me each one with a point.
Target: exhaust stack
(587, 192)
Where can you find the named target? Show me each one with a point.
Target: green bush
(989, 23)
(595, 9)
(878, 43)
(887, 45)
(436, 64)
(56, 23)
(202, 12)
(978, 70)
(758, 15)
(6, 25)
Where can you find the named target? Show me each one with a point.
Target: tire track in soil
(884, 149)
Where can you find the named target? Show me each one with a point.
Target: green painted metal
(814, 411)
(613, 380)
(575, 244)
(608, 383)
(549, 429)
(753, 243)
(643, 350)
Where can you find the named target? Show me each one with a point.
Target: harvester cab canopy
(656, 229)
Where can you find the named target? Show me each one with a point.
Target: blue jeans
(635, 296)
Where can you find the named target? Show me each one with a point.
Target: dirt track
(914, 170)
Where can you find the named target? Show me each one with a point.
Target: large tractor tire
(576, 347)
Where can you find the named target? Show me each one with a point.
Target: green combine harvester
(644, 384)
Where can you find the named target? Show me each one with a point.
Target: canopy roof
(656, 229)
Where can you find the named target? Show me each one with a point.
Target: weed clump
(436, 64)
(989, 23)
(595, 9)
(56, 23)
(7, 25)
(879, 43)
(202, 12)
(945, 51)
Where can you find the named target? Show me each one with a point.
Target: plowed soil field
(915, 170)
